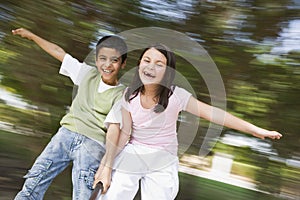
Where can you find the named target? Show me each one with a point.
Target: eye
(102, 59)
(115, 60)
(160, 64)
(146, 60)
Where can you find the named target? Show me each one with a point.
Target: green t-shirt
(89, 108)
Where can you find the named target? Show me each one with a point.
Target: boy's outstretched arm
(51, 48)
(224, 118)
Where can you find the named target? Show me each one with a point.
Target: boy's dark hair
(113, 42)
(165, 88)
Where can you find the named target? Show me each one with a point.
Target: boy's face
(109, 63)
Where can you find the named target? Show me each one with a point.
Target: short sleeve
(125, 104)
(74, 69)
(182, 96)
(115, 115)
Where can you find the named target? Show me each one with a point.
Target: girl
(150, 109)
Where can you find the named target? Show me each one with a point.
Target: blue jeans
(65, 147)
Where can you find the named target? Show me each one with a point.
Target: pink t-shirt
(157, 130)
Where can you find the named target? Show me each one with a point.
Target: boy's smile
(109, 63)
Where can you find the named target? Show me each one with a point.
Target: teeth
(106, 71)
(149, 75)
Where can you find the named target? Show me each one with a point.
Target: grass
(194, 188)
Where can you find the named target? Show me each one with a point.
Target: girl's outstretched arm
(51, 48)
(224, 118)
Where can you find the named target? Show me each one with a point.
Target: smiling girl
(148, 138)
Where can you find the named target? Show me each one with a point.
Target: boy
(81, 137)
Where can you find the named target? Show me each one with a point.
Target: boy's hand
(23, 33)
(263, 133)
(103, 174)
(51, 48)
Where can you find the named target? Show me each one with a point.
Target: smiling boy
(81, 137)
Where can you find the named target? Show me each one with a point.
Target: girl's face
(152, 67)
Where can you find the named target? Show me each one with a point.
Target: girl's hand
(23, 33)
(103, 174)
(263, 133)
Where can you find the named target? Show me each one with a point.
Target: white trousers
(158, 181)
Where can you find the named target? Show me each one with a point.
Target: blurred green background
(254, 43)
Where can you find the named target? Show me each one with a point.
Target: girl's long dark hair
(165, 89)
